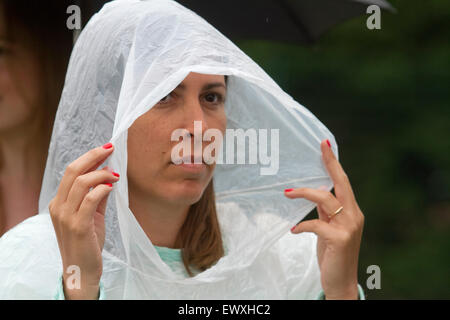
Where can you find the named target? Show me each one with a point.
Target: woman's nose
(194, 118)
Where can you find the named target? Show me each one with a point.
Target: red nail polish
(288, 190)
(107, 146)
(109, 184)
(292, 229)
(329, 144)
(116, 174)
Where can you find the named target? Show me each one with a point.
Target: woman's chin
(189, 191)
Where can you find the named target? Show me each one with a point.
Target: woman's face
(21, 90)
(151, 172)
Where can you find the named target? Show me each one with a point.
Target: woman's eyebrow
(213, 85)
(205, 87)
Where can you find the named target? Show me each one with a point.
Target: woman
(156, 68)
(34, 53)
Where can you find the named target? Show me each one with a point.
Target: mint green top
(172, 257)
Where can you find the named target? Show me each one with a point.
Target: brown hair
(42, 25)
(200, 234)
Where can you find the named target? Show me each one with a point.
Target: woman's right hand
(78, 218)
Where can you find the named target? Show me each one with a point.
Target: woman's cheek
(22, 94)
(14, 111)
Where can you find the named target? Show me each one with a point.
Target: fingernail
(116, 174)
(288, 190)
(107, 146)
(109, 184)
(328, 142)
(292, 229)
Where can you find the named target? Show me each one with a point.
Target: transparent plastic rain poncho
(130, 55)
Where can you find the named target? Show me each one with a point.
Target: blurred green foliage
(384, 94)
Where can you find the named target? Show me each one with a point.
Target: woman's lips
(192, 166)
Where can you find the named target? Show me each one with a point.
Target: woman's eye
(166, 99)
(214, 98)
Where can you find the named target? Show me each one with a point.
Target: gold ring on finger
(336, 212)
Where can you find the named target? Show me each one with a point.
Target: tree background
(384, 94)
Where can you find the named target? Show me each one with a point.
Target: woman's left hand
(339, 235)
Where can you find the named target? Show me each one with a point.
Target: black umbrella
(300, 21)
(286, 20)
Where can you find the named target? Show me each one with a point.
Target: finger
(84, 183)
(325, 199)
(80, 166)
(98, 164)
(320, 211)
(320, 228)
(91, 202)
(342, 187)
(322, 214)
(102, 205)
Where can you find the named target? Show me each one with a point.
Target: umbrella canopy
(301, 21)
(298, 21)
